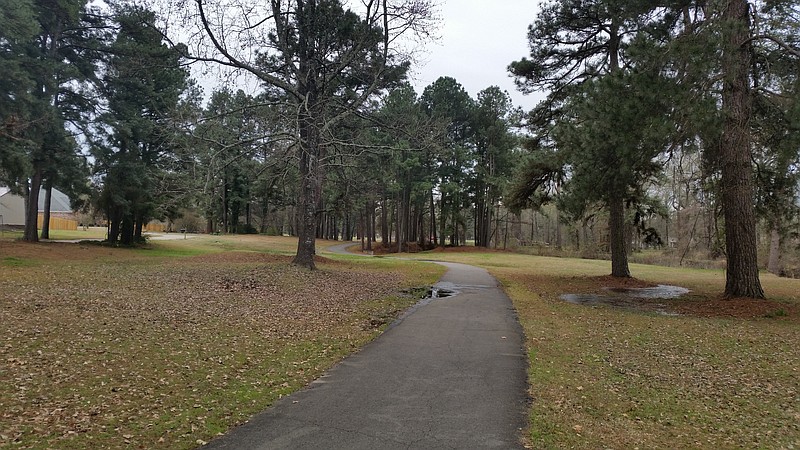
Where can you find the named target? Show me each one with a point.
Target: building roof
(59, 201)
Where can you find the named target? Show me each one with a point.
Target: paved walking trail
(450, 375)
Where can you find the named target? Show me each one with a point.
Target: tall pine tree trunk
(616, 225)
(48, 197)
(774, 262)
(138, 228)
(225, 224)
(126, 236)
(737, 186)
(114, 223)
(307, 216)
(616, 218)
(435, 239)
(442, 221)
(386, 238)
(32, 207)
(369, 222)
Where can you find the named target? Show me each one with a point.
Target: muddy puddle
(429, 292)
(435, 292)
(635, 299)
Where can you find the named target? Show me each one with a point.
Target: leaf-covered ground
(112, 348)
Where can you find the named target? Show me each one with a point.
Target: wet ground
(636, 299)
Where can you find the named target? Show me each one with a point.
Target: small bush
(272, 231)
(776, 313)
(246, 229)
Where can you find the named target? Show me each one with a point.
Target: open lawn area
(723, 374)
(165, 347)
(168, 346)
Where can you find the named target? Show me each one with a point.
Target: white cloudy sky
(478, 39)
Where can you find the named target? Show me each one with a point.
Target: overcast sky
(478, 39)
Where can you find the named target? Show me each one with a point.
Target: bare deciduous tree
(323, 57)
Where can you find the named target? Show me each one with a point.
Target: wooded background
(669, 128)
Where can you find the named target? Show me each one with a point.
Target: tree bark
(225, 225)
(307, 217)
(310, 113)
(48, 197)
(138, 228)
(32, 207)
(774, 263)
(442, 221)
(435, 239)
(737, 192)
(386, 237)
(616, 229)
(114, 221)
(127, 230)
(373, 219)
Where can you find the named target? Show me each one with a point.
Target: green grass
(80, 233)
(12, 261)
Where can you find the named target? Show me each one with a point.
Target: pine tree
(446, 100)
(493, 143)
(143, 84)
(17, 27)
(50, 51)
(574, 42)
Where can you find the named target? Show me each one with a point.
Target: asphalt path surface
(451, 374)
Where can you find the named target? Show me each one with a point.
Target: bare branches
(231, 60)
(781, 43)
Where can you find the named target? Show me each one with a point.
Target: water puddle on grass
(637, 299)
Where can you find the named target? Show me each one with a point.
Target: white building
(12, 207)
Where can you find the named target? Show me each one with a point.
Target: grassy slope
(166, 347)
(608, 378)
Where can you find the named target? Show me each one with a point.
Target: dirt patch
(239, 257)
(53, 251)
(409, 247)
(467, 249)
(253, 257)
(740, 308)
(582, 288)
(610, 282)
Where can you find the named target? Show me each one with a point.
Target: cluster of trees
(336, 143)
(408, 170)
(653, 109)
(81, 81)
(634, 86)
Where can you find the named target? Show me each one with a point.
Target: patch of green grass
(12, 261)
(90, 233)
(777, 313)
